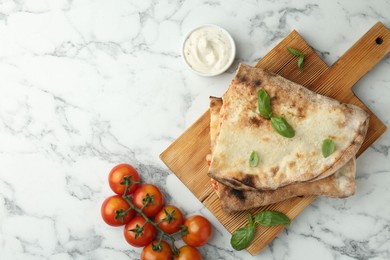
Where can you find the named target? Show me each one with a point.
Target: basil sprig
(280, 125)
(243, 236)
(253, 159)
(264, 103)
(328, 147)
(299, 54)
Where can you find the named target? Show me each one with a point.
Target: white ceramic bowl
(230, 60)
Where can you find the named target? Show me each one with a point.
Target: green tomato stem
(148, 220)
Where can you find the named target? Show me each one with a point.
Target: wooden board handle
(355, 63)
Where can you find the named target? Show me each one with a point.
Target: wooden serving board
(186, 156)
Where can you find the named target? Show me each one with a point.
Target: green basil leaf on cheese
(328, 147)
(280, 125)
(253, 159)
(264, 103)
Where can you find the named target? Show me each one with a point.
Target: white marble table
(85, 85)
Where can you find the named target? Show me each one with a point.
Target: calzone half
(341, 184)
(282, 160)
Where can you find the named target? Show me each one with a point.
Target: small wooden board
(186, 156)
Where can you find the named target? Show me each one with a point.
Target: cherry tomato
(111, 206)
(170, 222)
(148, 191)
(152, 252)
(188, 253)
(145, 236)
(117, 175)
(199, 231)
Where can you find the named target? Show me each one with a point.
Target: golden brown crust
(283, 160)
(237, 200)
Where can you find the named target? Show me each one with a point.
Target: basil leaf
(328, 147)
(253, 159)
(295, 52)
(242, 237)
(280, 125)
(300, 62)
(271, 218)
(264, 103)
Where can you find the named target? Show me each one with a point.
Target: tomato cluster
(147, 221)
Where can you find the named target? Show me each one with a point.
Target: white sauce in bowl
(209, 50)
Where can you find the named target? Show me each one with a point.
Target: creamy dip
(208, 50)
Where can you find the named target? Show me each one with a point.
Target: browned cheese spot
(299, 155)
(265, 139)
(300, 106)
(291, 164)
(301, 112)
(274, 170)
(255, 121)
(340, 123)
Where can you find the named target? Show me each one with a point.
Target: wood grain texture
(186, 156)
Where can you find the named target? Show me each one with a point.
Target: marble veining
(85, 85)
